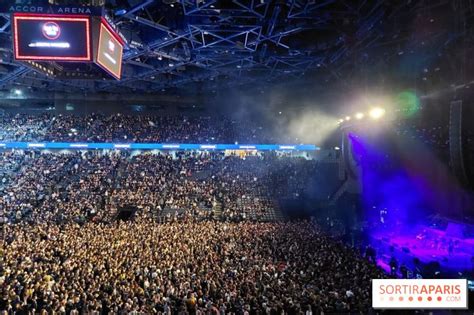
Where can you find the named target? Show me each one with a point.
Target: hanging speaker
(455, 142)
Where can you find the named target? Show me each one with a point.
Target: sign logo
(111, 46)
(419, 293)
(51, 30)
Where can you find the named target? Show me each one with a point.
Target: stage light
(17, 92)
(348, 118)
(337, 148)
(120, 12)
(341, 121)
(359, 115)
(377, 112)
(408, 102)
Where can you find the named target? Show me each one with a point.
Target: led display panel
(110, 51)
(51, 37)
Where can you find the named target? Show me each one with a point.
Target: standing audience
(205, 238)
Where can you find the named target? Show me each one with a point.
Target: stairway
(217, 209)
(342, 189)
(278, 214)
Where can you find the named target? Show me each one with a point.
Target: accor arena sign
(52, 9)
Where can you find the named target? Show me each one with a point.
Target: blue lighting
(120, 12)
(79, 145)
(399, 201)
(121, 146)
(156, 146)
(36, 145)
(208, 146)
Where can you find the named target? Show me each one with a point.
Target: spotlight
(341, 121)
(17, 92)
(120, 12)
(337, 148)
(377, 112)
(359, 116)
(348, 118)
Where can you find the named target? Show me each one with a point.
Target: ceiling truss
(236, 42)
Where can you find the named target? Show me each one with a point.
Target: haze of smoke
(311, 126)
(299, 121)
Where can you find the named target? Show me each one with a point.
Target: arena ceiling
(200, 46)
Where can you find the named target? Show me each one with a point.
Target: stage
(451, 246)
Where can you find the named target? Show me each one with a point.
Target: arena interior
(233, 156)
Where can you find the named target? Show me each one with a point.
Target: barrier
(154, 146)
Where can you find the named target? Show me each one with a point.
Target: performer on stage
(451, 247)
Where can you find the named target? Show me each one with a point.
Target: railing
(154, 146)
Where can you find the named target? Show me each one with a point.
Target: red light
(112, 31)
(51, 18)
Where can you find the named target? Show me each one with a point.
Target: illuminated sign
(51, 37)
(110, 51)
(170, 146)
(51, 9)
(247, 147)
(122, 146)
(78, 145)
(419, 293)
(208, 146)
(36, 145)
(51, 30)
(146, 146)
(287, 147)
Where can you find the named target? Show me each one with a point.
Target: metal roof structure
(204, 45)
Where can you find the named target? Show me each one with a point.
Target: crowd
(23, 127)
(94, 185)
(204, 238)
(180, 268)
(64, 251)
(132, 128)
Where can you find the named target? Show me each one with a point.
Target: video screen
(110, 51)
(58, 38)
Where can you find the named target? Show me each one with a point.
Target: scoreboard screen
(51, 38)
(110, 51)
